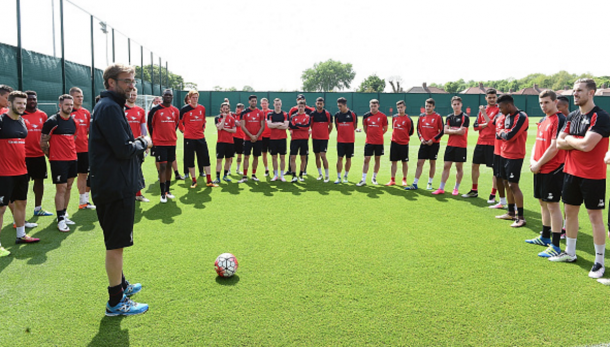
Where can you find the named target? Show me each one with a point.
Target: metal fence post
(19, 48)
(63, 55)
(92, 67)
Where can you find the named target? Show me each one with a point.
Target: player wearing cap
(136, 117)
(484, 150)
(83, 118)
(238, 137)
(192, 124)
(13, 170)
(375, 125)
(57, 141)
(163, 121)
(429, 130)
(225, 148)
(321, 127)
(402, 129)
(456, 126)
(266, 134)
(34, 158)
(513, 136)
(346, 122)
(300, 123)
(585, 140)
(252, 123)
(278, 122)
(546, 163)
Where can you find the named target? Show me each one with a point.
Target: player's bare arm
(44, 143)
(585, 144)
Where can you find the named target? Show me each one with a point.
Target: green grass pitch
(320, 265)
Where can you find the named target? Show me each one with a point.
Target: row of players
(501, 145)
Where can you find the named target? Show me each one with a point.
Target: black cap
(300, 96)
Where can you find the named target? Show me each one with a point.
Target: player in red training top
(456, 126)
(83, 118)
(278, 122)
(162, 124)
(375, 125)
(252, 123)
(513, 136)
(34, 158)
(225, 148)
(300, 123)
(321, 127)
(266, 134)
(484, 150)
(430, 129)
(57, 141)
(546, 163)
(402, 129)
(238, 137)
(192, 124)
(13, 171)
(291, 112)
(4, 93)
(346, 122)
(585, 140)
(136, 117)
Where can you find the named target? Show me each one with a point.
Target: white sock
(82, 199)
(281, 173)
(442, 186)
(571, 246)
(457, 186)
(415, 180)
(374, 175)
(238, 165)
(346, 172)
(364, 177)
(564, 224)
(326, 172)
(600, 251)
(338, 175)
(503, 200)
(430, 180)
(320, 171)
(21, 232)
(87, 196)
(37, 208)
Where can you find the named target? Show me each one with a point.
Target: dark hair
(431, 101)
(302, 102)
(491, 91)
(401, 102)
(342, 101)
(30, 92)
(64, 97)
(563, 98)
(456, 98)
(5, 89)
(252, 97)
(506, 98)
(548, 93)
(74, 90)
(113, 71)
(590, 83)
(16, 94)
(320, 99)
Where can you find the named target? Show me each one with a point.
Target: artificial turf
(320, 264)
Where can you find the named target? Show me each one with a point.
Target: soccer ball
(226, 265)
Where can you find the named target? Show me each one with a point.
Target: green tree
(372, 84)
(190, 85)
(327, 76)
(175, 81)
(247, 89)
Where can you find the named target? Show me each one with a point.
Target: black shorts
(37, 167)
(483, 154)
(13, 188)
(577, 189)
(116, 220)
(511, 170)
(277, 147)
(455, 154)
(225, 150)
(299, 147)
(239, 145)
(265, 148)
(498, 166)
(399, 152)
(319, 146)
(428, 152)
(345, 150)
(548, 186)
(198, 147)
(370, 150)
(255, 148)
(62, 170)
(82, 162)
(165, 154)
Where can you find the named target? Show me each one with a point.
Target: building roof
(603, 90)
(535, 90)
(480, 89)
(424, 89)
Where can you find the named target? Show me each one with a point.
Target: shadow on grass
(230, 281)
(197, 197)
(110, 333)
(164, 212)
(85, 220)
(411, 195)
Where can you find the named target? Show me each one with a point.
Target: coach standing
(116, 176)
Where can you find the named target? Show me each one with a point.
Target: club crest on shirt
(168, 117)
(586, 121)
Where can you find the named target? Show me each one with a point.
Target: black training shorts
(116, 220)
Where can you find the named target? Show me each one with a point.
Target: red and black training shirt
(267, 130)
(515, 128)
(319, 124)
(300, 124)
(454, 122)
(192, 122)
(83, 120)
(34, 121)
(487, 135)
(402, 129)
(346, 124)
(548, 130)
(278, 134)
(252, 120)
(62, 145)
(12, 146)
(162, 124)
(374, 127)
(136, 116)
(430, 127)
(223, 135)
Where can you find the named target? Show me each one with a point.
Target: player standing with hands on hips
(116, 177)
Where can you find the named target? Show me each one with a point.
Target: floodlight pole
(113, 59)
(63, 56)
(129, 50)
(19, 48)
(92, 67)
(160, 78)
(142, 66)
(152, 73)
